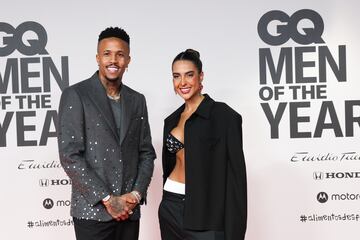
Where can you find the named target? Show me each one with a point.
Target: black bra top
(173, 144)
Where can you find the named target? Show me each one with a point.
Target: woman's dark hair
(192, 56)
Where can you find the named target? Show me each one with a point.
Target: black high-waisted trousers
(171, 211)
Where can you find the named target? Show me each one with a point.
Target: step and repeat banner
(290, 68)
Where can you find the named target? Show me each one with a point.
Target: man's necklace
(115, 98)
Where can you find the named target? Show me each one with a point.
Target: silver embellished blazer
(98, 161)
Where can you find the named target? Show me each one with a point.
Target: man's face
(112, 58)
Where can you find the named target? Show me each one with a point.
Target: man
(105, 146)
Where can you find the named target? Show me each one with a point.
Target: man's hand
(131, 201)
(117, 207)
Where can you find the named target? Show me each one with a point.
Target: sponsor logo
(49, 223)
(335, 175)
(54, 182)
(30, 164)
(330, 217)
(318, 175)
(49, 203)
(323, 197)
(44, 182)
(309, 157)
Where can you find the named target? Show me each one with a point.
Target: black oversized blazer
(215, 173)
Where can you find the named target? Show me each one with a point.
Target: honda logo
(318, 175)
(44, 182)
(54, 182)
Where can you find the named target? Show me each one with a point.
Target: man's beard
(113, 79)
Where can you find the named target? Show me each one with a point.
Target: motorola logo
(322, 197)
(54, 182)
(335, 175)
(48, 203)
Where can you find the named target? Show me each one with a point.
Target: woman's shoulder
(222, 109)
(175, 114)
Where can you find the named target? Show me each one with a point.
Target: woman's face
(186, 79)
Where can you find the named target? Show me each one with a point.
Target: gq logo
(288, 27)
(13, 39)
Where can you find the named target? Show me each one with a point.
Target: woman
(204, 193)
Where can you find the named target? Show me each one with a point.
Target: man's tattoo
(116, 204)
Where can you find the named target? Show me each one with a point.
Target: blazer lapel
(100, 100)
(172, 120)
(126, 101)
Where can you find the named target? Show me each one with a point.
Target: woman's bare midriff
(178, 173)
